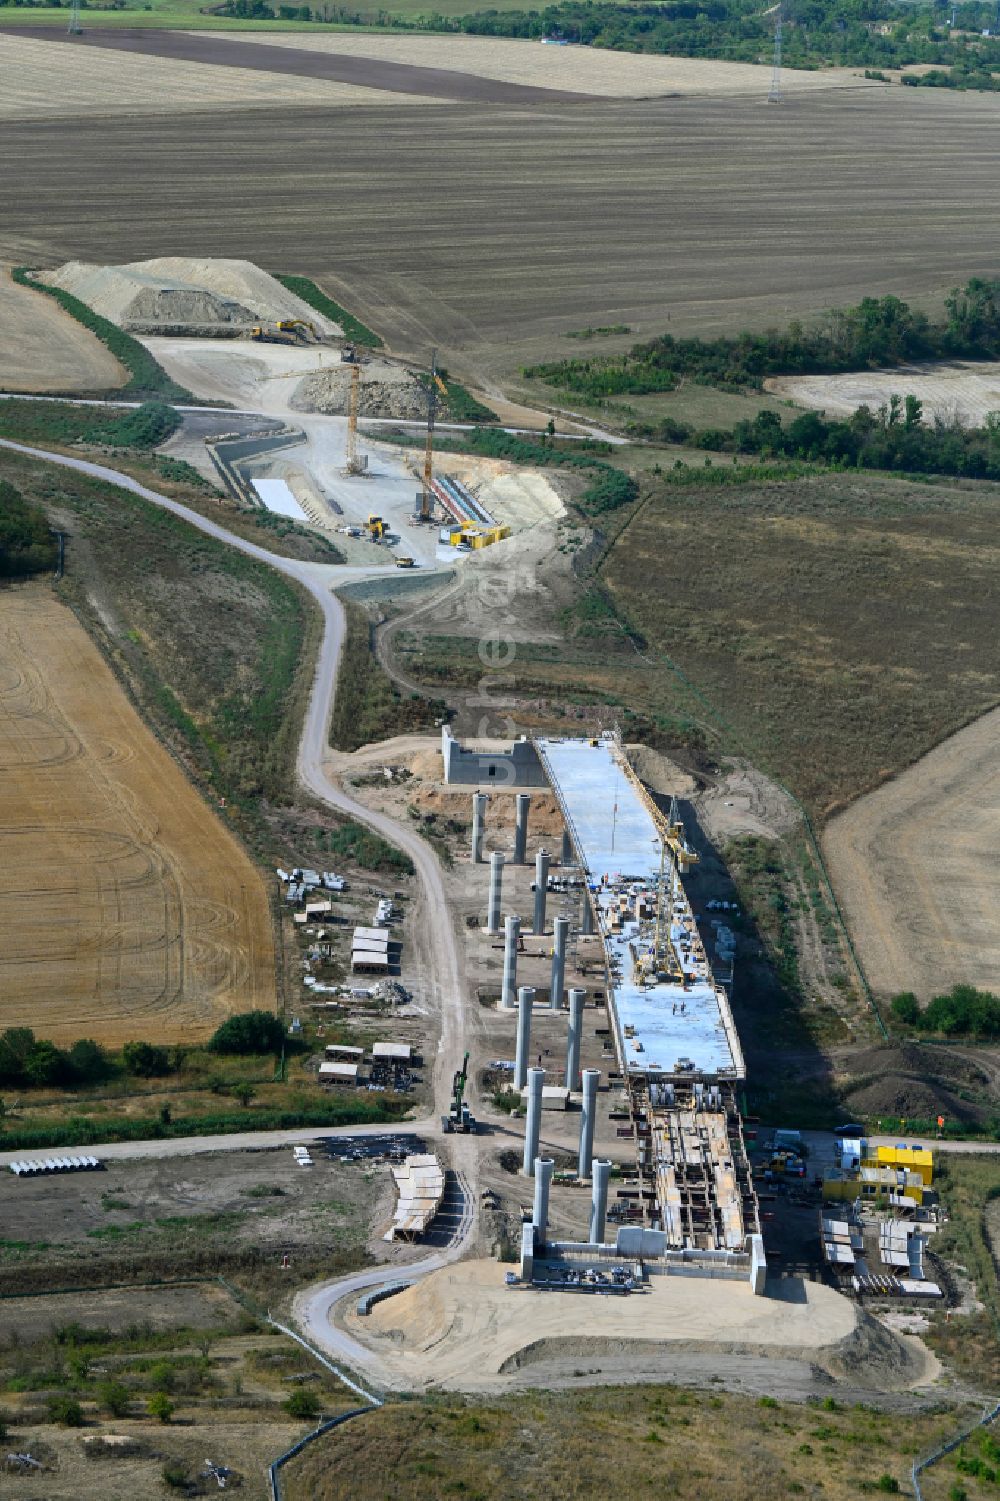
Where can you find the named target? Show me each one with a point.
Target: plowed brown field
(128, 910)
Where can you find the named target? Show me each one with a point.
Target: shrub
(145, 1061)
(889, 1485)
(249, 1032)
(26, 541)
(303, 1405)
(160, 1407)
(114, 1396)
(65, 1410)
(174, 1475)
(905, 1008)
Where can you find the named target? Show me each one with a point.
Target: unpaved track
(917, 871)
(431, 919)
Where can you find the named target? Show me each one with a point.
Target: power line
(774, 95)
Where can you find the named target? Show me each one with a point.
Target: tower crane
(435, 385)
(355, 465)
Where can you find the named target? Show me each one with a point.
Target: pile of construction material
(37, 1166)
(386, 390)
(420, 1184)
(178, 294)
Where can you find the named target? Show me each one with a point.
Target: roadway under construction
(677, 1048)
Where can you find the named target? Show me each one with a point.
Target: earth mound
(386, 390)
(179, 292)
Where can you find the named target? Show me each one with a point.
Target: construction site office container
(367, 960)
(372, 933)
(342, 1051)
(338, 1073)
(397, 1052)
(905, 1159)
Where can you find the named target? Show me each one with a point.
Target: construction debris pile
(387, 390)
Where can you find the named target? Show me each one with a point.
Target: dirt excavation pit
(463, 1329)
(174, 292)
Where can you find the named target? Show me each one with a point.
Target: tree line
(893, 437)
(870, 34)
(962, 1011)
(879, 333)
(36, 1062)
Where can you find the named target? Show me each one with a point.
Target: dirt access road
(916, 870)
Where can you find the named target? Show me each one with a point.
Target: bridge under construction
(675, 1040)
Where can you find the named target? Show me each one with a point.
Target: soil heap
(182, 295)
(387, 390)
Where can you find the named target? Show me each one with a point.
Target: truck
(376, 528)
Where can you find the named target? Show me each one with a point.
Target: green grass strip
(354, 329)
(147, 376)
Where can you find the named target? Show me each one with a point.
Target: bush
(114, 1395)
(889, 1485)
(303, 1405)
(65, 1410)
(249, 1032)
(88, 1061)
(160, 1407)
(26, 541)
(145, 1061)
(905, 1008)
(174, 1475)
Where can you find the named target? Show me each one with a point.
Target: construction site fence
(919, 1465)
(274, 1471)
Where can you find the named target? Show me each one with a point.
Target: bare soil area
(129, 910)
(915, 868)
(963, 392)
(44, 349)
(579, 70)
(462, 1328)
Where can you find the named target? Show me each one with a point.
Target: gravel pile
(387, 390)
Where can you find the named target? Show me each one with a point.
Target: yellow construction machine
(376, 528)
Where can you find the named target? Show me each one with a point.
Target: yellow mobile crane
(435, 385)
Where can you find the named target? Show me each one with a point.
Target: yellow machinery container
(905, 1159)
(475, 536)
(878, 1183)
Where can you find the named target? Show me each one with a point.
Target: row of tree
(30, 1061)
(893, 437)
(878, 333)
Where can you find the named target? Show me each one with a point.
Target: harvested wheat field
(916, 869)
(128, 909)
(44, 349)
(962, 392)
(581, 70)
(45, 77)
